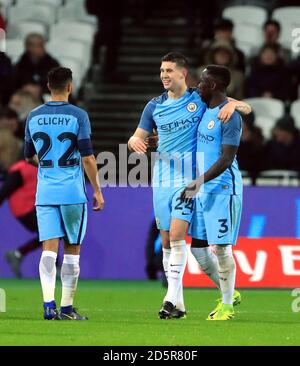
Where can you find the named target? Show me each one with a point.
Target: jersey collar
(223, 103)
(55, 103)
(219, 106)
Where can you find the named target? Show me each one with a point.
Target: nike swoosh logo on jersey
(221, 236)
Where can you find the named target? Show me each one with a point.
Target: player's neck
(59, 98)
(178, 93)
(217, 99)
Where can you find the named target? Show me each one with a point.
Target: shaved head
(219, 74)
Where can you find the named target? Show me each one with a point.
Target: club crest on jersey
(211, 125)
(192, 107)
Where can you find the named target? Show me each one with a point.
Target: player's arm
(29, 149)
(137, 141)
(30, 153)
(153, 139)
(85, 148)
(34, 160)
(231, 135)
(90, 167)
(223, 163)
(233, 105)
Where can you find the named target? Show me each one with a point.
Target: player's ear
(213, 85)
(70, 88)
(185, 73)
(48, 86)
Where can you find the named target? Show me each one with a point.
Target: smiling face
(172, 76)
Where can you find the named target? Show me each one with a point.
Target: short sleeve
(147, 122)
(29, 149)
(231, 131)
(84, 131)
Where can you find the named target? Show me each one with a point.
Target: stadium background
(113, 82)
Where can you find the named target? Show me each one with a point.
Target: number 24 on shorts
(187, 204)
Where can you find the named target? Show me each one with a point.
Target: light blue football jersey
(176, 122)
(211, 135)
(55, 129)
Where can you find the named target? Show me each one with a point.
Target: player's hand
(227, 111)
(191, 190)
(138, 145)
(98, 201)
(152, 141)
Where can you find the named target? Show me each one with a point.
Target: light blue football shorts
(216, 218)
(63, 221)
(168, 205)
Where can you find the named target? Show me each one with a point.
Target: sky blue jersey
(56, 130)
(211, 135)
(176, 122)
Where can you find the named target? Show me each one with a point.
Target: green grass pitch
(125, 313)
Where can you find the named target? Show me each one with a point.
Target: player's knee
(51, 245)
(73, 249)
(225, 256)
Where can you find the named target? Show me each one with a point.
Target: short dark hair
(286, 123)
(178, 58)
(220, 74)
(223, 24)
(35, 36)
(272, 22)
(59, 77)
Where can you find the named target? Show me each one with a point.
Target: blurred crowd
(269, 72)
(281, 152)
(23, 86)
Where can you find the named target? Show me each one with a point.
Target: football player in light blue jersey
(175, 115)
(218, 204)
(57, 138)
